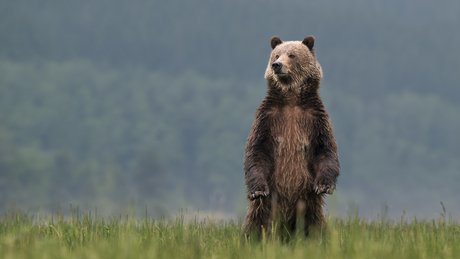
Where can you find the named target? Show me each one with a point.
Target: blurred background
(147, 104)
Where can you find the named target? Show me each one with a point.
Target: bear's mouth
(280, 74)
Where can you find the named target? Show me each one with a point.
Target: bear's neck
(307, 95)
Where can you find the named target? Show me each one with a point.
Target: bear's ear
(275, 41)
(309, 41)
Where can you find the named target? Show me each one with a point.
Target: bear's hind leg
(258, 216)
(314, 218)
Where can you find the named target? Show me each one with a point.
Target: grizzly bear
(291, 158)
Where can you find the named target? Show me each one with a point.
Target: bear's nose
(277, 66)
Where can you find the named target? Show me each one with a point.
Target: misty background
(114, 104)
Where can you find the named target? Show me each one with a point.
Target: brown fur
(291, 158)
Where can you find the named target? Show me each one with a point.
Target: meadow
(88, 235)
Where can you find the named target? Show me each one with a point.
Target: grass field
(88, 235)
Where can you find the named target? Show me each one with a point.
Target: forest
(114, 104)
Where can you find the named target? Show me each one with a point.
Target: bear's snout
(277, 67)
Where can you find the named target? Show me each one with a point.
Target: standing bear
(291, 158)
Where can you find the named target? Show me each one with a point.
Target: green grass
(84, 235)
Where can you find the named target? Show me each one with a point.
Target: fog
(143, 105)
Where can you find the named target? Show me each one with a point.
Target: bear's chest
(290, 130)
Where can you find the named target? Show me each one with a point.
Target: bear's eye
(277, 56)
(291, 56)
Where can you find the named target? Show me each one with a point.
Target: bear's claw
(258, 194)
(320, 189)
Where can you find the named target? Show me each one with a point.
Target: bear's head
(292, 63)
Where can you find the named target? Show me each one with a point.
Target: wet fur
(291, 149)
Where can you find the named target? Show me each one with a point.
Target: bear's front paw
(260, 191)
(324, 186)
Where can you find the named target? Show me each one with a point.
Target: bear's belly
(291, 178)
